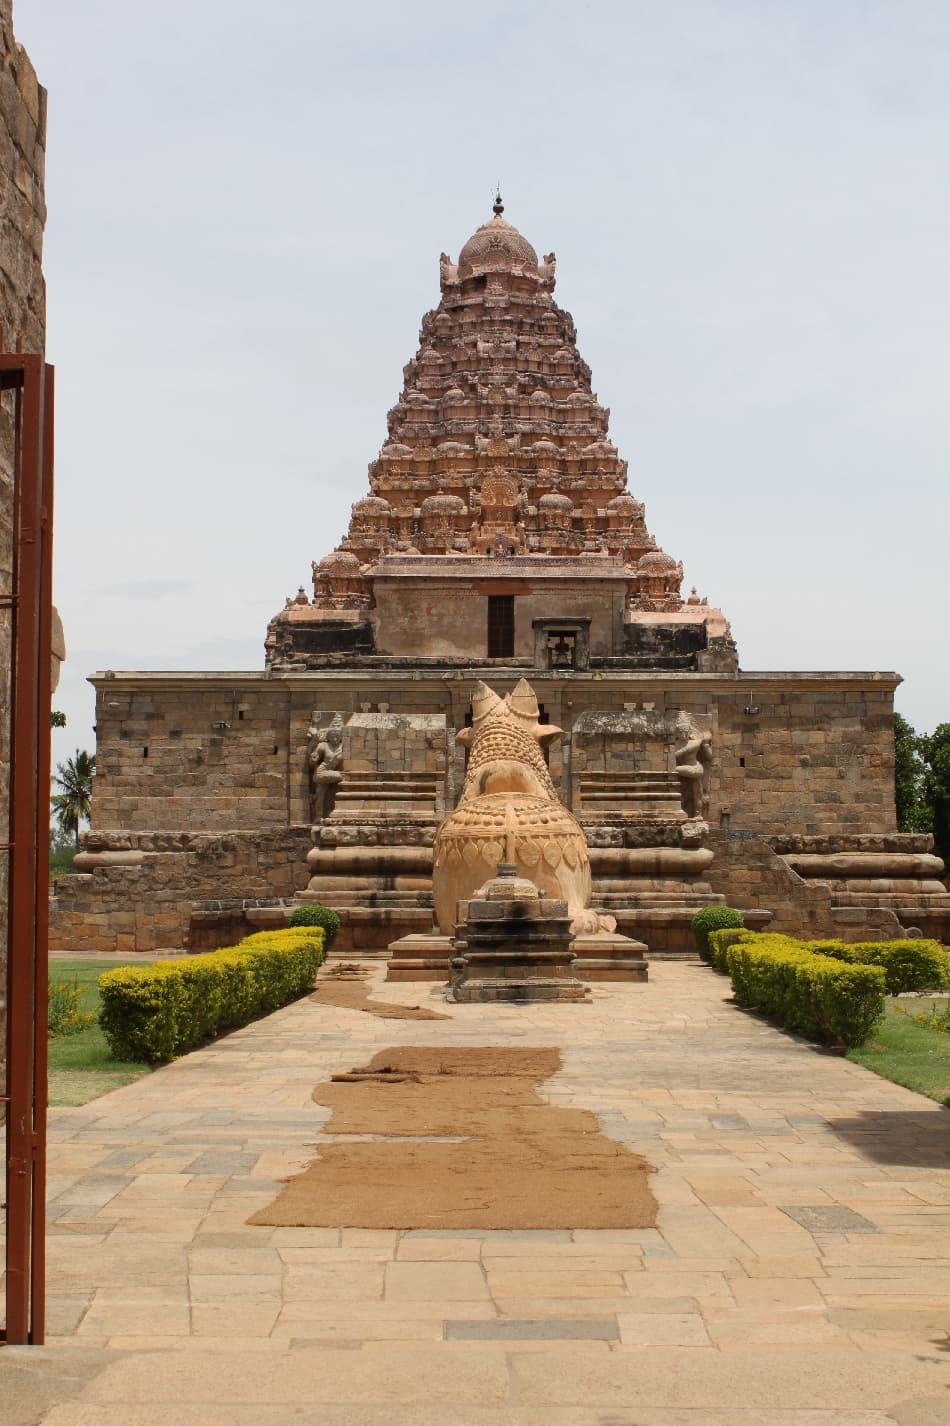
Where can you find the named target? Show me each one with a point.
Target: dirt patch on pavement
(522, 1163)
(346, 988)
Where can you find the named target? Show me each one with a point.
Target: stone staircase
(896, 873)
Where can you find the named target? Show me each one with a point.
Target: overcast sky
(750, 208)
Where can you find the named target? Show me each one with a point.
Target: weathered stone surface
(512, 943)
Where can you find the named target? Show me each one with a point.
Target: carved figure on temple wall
(325, 762)
(693, 761)
(509, 811)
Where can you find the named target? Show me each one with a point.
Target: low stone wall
(748, 872)
(137, 890)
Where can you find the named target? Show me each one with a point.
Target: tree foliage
(913, 814)
(922, 782)
(71, 804)
(935, 750)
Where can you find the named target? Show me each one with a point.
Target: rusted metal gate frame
(30, 601)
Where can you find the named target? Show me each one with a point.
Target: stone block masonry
(205, 777)
(139, 891)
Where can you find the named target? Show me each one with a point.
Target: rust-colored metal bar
(31, 618)
(44, 671)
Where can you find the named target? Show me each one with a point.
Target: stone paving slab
(798, 1274)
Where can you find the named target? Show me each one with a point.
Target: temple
(497, 542)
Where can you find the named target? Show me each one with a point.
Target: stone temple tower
(498, 523)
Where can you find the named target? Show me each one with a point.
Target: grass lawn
(81, 1066)
(909, 1053)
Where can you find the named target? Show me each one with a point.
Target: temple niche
(495, 540)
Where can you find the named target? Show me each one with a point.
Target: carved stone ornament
(325, 762)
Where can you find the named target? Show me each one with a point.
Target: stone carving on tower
(497, 449)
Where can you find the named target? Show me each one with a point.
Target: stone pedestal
(609, 956)
(422, 956)
(512, 943)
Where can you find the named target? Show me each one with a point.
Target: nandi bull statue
(508, 811)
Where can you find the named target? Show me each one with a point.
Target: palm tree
(72, 802)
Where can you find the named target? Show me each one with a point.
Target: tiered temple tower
(498, 523)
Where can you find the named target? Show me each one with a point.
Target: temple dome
(337, 562)
(656, 562)
(372, 504)
(497, 245)
(555, 502)
(433, 503)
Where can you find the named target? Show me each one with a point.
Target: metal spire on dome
(498, 207)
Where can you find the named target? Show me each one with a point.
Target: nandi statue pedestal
(512, 943)
(509, 812)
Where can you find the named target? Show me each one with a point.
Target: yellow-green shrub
(908, 964)
(154, 1012)
(719, 943)
(811, 994)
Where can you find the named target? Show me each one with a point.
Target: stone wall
(22, 198)
(808, 759)
(748, 872)
(454, 614)
(23, 315)
(196, 754)
(792, 753)
(138, 894)
(224, 757)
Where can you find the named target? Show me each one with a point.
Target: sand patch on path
(346, 988)
(515, 1161)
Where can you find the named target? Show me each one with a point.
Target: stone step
(648, 901)
(622, 795)
(934, 901)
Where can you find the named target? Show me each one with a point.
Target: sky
(749, 204)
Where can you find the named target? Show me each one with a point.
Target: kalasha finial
(498, 207)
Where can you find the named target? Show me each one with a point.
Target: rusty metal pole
(31, 610)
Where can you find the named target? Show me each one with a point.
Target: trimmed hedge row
(810, 994)
(825, 989)
(154, 1012)
(908, 965)
(720, 941)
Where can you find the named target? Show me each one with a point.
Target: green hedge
(154, 1012)
(811, 994)
(908, 965)
(313, 914)
(719, 943)
(709, 919)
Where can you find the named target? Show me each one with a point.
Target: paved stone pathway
(798, 1276)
